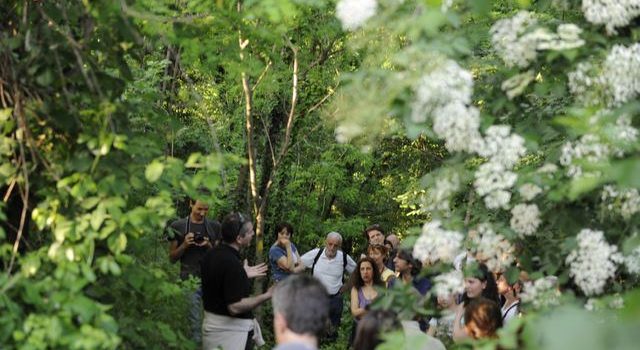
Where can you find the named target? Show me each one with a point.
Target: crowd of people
(308, 307)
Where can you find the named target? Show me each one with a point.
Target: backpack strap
(315, 260)
(344, 262)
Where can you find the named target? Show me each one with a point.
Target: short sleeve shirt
(328, 271)
(276, 252)
(190, 260)
(224, 281)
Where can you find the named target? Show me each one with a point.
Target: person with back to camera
(377, 323)
(226, 289)
(482, 318)
(283, 254)
(300, 312)
(478, 282)
(189, 240)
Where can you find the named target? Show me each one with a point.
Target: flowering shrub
(538, 109)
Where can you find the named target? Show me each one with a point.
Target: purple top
(362, 300)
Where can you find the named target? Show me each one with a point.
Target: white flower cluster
(525, 219)
(612, 82)
(445, 96)
(589, 148)
(529, 191)
(517, 39)
(492, 248)
(493, 181)
(615, 302)
(621, 71)
(566, 38)
(541, 293)
(625, 201)
(448, 284)
(632, 261)
(511, 42)
(516, 85)
(587, 84)
(353, 13)
(612, 13)
(437, 244)
(438, 196)
(594, 262)
(501, 146)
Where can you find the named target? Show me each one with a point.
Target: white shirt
(328, 271)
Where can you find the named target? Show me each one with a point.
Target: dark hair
(372, 326)
(303, 302)
(232, 225)
(416, 265)
(481, 272)
(356, 278)
(485, 315)
(284, 225)
(374, 227)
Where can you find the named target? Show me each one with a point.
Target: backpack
(320, 251)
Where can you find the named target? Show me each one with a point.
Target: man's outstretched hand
(255, 271)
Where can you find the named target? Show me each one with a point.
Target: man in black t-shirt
(226, 287)
(190, 238)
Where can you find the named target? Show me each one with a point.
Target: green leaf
(117, 243)
(154, 171)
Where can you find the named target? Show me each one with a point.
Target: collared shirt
(328, 271)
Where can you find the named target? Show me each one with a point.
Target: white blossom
(529, 191)
(438, 196)
(589, 148)
(626, 201)
(617, 302)
(594, 262)
(492, 181)
(516, 85)
(446, 5)
(548, 168)
(612, 13)
(587, 84)
(448, 284)
(621, 70)
(541, 293)
(447, 84)
(353, 13)
(437, 244)
(492, 248)
(501, 146)
(516, 40)
(525, 219)
(458, 125)
(632, 261)
(510, 42)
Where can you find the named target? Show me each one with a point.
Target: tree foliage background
(113, 112)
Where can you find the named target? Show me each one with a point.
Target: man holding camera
(190, 238)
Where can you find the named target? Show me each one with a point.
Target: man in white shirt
(329, 265)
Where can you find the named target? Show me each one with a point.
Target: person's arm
(249, 303)
(459, 332)
(356, 311)
(177, 250)
(285, 262)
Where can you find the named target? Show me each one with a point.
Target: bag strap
(344, 262)
(315, 260)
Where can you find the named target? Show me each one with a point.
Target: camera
(199, 237)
